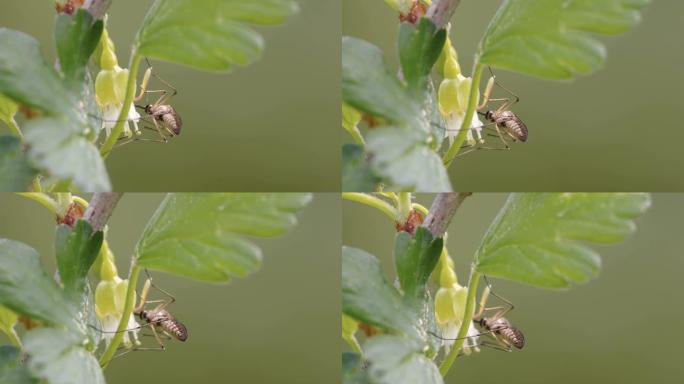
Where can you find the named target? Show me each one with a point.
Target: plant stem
(370, 200)
(12, 124)
(98, 8)
(465, 325)
(128, 99)
(14, 338)
(420, 208)
(123, 323)
(440, 11)
(100, 209)
(470, 111)
(404, 205)
(443, 209)
(42, 199)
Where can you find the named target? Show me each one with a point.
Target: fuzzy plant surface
(77, 109)
(400, 118)
(538, 239)
(64, 331)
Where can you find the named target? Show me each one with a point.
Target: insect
(163, 117)
(504, 334)
(159, 320)
(506, 123)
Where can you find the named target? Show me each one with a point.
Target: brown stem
(100, 209)
(97, 8)
(442, 210)
(440, 12)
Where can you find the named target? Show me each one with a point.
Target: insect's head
(142, 314)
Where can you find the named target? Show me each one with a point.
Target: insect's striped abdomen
(175, 328)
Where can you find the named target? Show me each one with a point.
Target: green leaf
(356, 172)
(367, 296)
(16, 172)
(353, 371)
(7, 320)
(209, 34)
(26, 289)
(551, 39)
(25, 77)
(76, 250)
(405, 160)
(77, 37)
(419, 49)
(59, 358)
(198, 235)
(11, 369)
(61, 146)
(397, 360)
(369, 86)
(536, 237)
(415, 257)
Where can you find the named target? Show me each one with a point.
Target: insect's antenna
(123, 330)
(139, 106)
(465, 337)
(149, 65)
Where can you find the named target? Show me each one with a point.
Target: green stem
(14, 338)
(42, 199)
(12, 124)
(467, 319)
(404, 205)
(123, 323)
(356, 135)
(374, 202)
(128, 99)
(420, 208)
(470, 112)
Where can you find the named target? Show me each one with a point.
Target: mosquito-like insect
(506, 336)
(158, 319)
(506, 123)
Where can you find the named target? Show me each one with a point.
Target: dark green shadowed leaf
(404, 159)
(26, 78)
(551, 38)
(356, 172)
(353, 371)
(76, 249)
(397, 360)
(61, 146)
(26, 289)
(77, 37)
(16, 172)
(415, 258)
(536, 237)
(367, 296)
(11, 369)
(199, 235)
(419, 49)
(369, 86)
(59, 358)
(209, 34)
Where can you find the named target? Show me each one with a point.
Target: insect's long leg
(502, 311)
(499, 345)
(143, 85)
(170, 296)
(164, 99)
(156, 126)
(154, 331)
(123, 330)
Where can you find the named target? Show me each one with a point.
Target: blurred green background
(267, 127)
(616, 129)
(280, 325)
(620, 328)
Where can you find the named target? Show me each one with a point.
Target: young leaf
(367, 296)
(11, 369)
(8, 109)
(369, 86)
(397, 360)
(198, 234)
(208, 34)
(536, 237)
(16, 172)
(415, 257)
(404, 159)
(61, 146)
(25, 77)
(77, 37)
(419, 49)
(76, 249)
(26, 289)
(550, 39)
(58, 357)
(356, 172)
